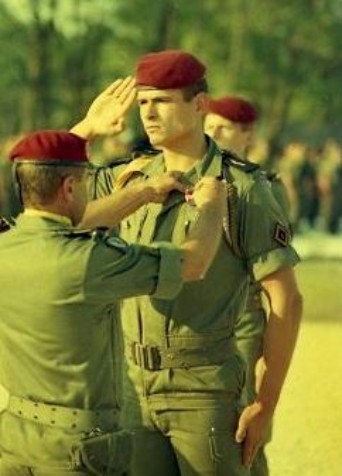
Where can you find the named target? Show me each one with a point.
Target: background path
(307, 437)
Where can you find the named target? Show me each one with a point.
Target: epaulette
(96, 234)
(116, 162)
(232, 159)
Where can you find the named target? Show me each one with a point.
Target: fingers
(124, 88)
(241, 431)
(249, 453)
(112, 87)
(241, 436)
(128, 101)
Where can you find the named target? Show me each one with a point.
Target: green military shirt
(58, 288)
(254, 296)
(204, 311)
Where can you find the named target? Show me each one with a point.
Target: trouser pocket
(103, 454)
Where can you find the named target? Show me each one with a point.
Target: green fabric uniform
(250, 327)
(57, 381)
(183, 377)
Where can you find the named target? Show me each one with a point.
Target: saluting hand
(106, 114)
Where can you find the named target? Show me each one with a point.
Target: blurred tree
(286, 56)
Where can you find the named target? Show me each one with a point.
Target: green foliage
(285, 55)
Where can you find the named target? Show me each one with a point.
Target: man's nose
(150, 111)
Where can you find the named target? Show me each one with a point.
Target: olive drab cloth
(182, 374)
(58, 289)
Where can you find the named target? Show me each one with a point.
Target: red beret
(233, 108)
(50, 147)
(169, 69)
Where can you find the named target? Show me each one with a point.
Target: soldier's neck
(184, 154)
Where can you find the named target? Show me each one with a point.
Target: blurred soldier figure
(335, 209)
(58, 400)
(230, 122)
(306, 183)
(330, 180)
(183, 375)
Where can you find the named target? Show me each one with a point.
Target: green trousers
(193, 437)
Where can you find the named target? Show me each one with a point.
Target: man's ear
(202, 100)
(67, 187)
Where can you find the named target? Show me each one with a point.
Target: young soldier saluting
(182, 375)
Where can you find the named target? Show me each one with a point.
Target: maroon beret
(233, 108)
(169, 69)
(51, 147)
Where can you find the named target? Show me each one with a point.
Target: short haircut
(189, 92)
(39, 184)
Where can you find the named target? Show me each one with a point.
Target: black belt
(156, 357)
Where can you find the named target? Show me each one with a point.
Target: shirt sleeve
(265, 231)
(118, 270)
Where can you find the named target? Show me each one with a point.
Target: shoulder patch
(281, 235)
(116, 162)
(232, 159)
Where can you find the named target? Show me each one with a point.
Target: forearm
(279, 344)
(109, 211)
(202, 243)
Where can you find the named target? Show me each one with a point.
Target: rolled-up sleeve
(266, 234)
(118, 270)
(274, 260)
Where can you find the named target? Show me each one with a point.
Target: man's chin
(155, 141)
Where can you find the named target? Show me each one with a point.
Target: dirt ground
(307, 436)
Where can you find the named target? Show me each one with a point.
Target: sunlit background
(285, 56)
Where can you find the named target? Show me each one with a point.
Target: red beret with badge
(234, 109)
(51, 147)
(169, 69)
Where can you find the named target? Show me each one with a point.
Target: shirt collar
(33, 212)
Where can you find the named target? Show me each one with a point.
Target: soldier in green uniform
(230, 122)
(59, 285)
(183, 376)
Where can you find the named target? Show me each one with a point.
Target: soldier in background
(230, 121)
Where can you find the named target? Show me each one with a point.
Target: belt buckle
(145, 356)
